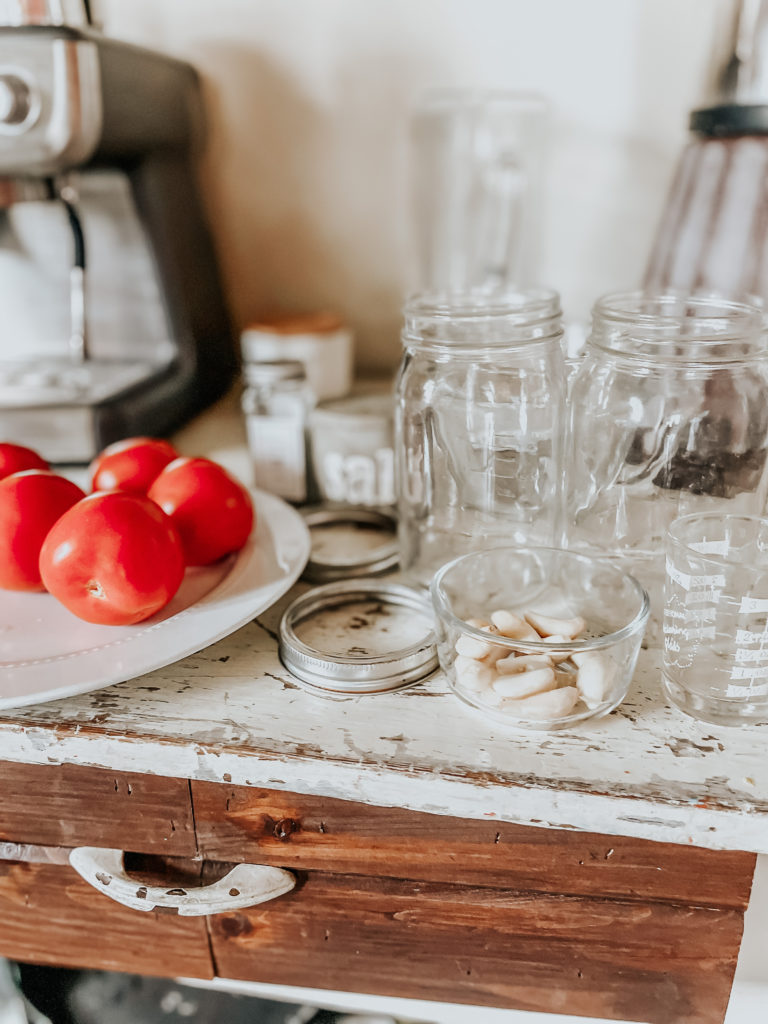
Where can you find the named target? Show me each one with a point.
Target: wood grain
(50, 915)
(606, 958)
(68, 805)
(322, 834)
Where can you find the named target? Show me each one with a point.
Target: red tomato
(130, 465)
(30, 503)
(113, 558)
(15, 458)
(212, 511)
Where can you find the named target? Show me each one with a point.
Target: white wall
(308, 100)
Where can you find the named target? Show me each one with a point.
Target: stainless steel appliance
(112, 316)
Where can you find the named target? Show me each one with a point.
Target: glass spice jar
(668, 416)
(276, 403)
(479, 425)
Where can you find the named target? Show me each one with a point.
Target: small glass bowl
(594, 669)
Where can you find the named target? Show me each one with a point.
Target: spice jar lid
(357, 555)
(356, 411)
(321, 322)
(358, 636)
(273, 370)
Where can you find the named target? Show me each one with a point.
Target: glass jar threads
(479, 424)
(669, 416)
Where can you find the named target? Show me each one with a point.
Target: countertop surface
(232, 713)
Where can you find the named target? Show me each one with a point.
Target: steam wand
(78, 334)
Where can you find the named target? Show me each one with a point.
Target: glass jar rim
(445, 318)
(441, 604)
(677, 525)
(631, 309)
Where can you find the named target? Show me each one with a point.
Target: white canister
(351, 450)
(319, 340)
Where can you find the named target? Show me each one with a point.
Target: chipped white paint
(232, 714)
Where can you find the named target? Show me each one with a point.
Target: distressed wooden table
(602, 872)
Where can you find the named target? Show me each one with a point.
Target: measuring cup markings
(749, 636)
(750, 654)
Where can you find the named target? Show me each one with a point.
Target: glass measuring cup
(716, 618)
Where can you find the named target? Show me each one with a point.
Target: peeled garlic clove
(522, 663)
(513, 626)
(489, 698)
(544, 706)
(478, 623)
(496, 654)
(547, 626)
(595, 676)
(472, 647)
(472, 674)
(525, 684)
(558, 656)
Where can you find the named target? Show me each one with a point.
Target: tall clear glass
(477, 186)
(668, 417)
(479, 425)
(716, 618)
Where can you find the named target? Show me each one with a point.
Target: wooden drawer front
(49, 915)
(605, 958)
(320, 834)
(66, 805)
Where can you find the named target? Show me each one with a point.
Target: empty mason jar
(479, 425)
(668, 416)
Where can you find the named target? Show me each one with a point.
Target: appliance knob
(15, 100)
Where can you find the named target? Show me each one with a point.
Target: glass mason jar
(668, 416)
(479, 425)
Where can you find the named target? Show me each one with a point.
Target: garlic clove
(543, 706)
(548, 626)
(472, 647)
(513, 626)
(595, 677)
(558, 656)
(525, 684)
(472, 674)
(489, 698)
(496, 654)
(522, 663)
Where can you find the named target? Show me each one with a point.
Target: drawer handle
(244, 886)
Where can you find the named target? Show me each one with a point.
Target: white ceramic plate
(47, 653)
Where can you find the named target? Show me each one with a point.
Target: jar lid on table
(350, 542)
(355, 637)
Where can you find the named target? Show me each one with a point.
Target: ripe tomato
(130, 465)
(212, 511)
(15, 458)
(30, 503)
(113, 558)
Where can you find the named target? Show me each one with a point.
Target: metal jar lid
(358, 636)
(380, 559)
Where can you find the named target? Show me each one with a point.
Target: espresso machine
(113, 321)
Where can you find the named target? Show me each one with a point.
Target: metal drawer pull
(244, 886)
